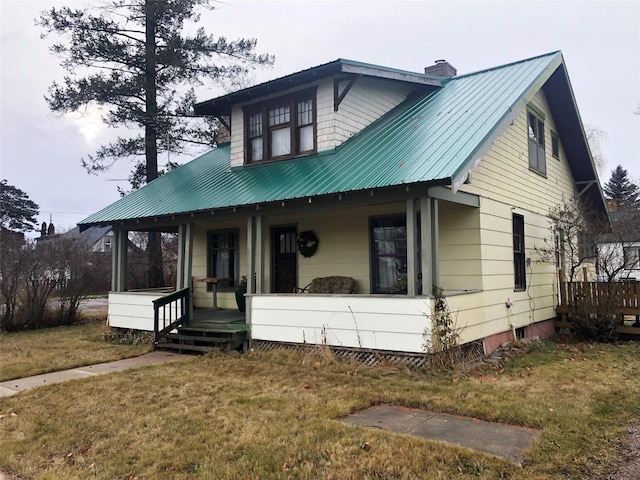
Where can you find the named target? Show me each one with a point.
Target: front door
(285, 257)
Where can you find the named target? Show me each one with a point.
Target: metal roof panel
(429, 138)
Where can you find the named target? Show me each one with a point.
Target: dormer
(311, 111)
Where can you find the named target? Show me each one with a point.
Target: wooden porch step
(206, 331)
(200, 339)
(197, 338)
(185, 347)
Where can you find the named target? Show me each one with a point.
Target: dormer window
(281, 128)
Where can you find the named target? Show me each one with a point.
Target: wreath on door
(307, 243)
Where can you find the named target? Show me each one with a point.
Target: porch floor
(208, 317)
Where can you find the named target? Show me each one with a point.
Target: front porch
(175, 324)
(376, 323)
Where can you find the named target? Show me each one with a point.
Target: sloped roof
(90, 236)
(435, 138)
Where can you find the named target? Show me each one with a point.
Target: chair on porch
(334, 284)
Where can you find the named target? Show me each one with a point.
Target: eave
(221, 106)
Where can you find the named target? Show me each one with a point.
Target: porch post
(259, 253)
(426, 245)
(115, 252)
(411, 248)
(187, 253)
(435, 243)
(119, 261)
(180, 280)
(250, 267)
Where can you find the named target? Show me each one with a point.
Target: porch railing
(169, 313)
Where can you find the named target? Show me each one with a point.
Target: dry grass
(273, 415)
(23, 354)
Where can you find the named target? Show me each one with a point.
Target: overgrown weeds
(442, 339)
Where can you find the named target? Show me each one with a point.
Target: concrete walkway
(11, 387)
(505, 441)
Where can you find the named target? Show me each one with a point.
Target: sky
(40, 152)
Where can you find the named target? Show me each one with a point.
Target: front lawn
(33, 352)
(275, 415)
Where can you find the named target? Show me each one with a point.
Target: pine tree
(140, 67)
(620, 191)
(17, 211)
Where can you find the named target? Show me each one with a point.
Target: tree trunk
(154, 245)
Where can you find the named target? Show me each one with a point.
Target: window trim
(555, 152)
(373, 265)
(626, 257)
(519, 253)
(291, 100)
(227, 286)
(539, 145)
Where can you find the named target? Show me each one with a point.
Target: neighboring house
(409, 181)
(618, 253)
(97, 238)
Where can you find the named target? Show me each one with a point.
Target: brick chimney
(442, 68)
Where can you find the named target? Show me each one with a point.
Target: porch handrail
(177, 305)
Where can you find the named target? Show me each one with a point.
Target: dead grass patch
(275, 415)
(33, 352)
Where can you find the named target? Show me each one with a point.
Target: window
(281, 128)
(388, 238)
(537, 160)
(632, 258)
(555, 145)
(519, 272)
(223, 257)
(586, 247)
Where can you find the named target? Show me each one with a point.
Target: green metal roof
(436, 138)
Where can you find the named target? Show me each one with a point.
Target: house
(98, 239)
(618, 252)
(402, 181)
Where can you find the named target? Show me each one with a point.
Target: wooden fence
(584, 298)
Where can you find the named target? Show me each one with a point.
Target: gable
(506, 175)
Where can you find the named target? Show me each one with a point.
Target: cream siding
(367, 101)
(377, 322)
(132, 309)
(508, 186)
(504, 175)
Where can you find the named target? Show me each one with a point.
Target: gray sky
(40, 152)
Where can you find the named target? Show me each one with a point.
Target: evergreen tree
(620, 191)
(140, 67)
(17, 211)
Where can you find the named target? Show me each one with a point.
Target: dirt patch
(629, 468)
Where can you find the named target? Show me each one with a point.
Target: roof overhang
(221, 106)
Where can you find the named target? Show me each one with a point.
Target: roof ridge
(506, 65)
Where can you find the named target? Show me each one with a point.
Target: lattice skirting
(469, 352)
